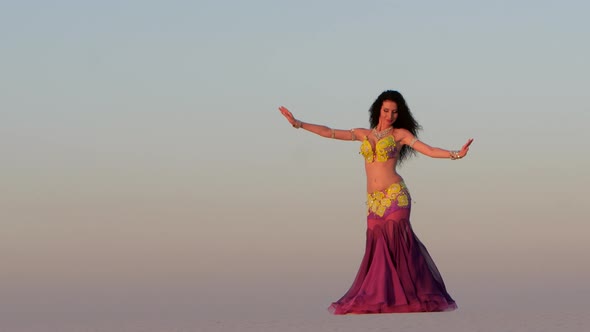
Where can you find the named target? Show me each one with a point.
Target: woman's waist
(382, 182)
(395, 195)
(389, 190)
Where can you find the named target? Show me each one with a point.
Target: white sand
(468, 320)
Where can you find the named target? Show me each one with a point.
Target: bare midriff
(380, 175)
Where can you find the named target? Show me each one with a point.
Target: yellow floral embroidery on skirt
(379, 201)
(402, 200)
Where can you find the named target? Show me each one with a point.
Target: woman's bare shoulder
(402, 135)
(361, 132)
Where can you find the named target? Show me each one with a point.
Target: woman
(396, 273)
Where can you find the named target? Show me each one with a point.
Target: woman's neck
(382, 127)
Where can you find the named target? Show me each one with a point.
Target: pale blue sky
(142, 144)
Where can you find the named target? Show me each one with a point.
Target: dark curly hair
(404, 118)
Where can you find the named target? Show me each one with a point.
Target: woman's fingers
(285, 111)
(466, 145)
(469, 141)
(287, 114)
(465, 148)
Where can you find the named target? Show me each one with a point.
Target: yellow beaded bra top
(385, 149)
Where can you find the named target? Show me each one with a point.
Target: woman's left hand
(465, 148)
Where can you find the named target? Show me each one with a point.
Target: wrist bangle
(297, 124)
(454, 155)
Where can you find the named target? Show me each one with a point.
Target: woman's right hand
(288, 115)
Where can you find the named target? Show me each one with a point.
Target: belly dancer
(396, 274)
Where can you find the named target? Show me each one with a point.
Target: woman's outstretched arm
(434, 152)
(324, 131)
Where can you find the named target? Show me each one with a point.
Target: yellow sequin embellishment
(394, 189)
(379, 201)
(384, 149)
(402, 200)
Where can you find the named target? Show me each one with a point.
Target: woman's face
(388, 113)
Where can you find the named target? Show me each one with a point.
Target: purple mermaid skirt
(396, 274)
